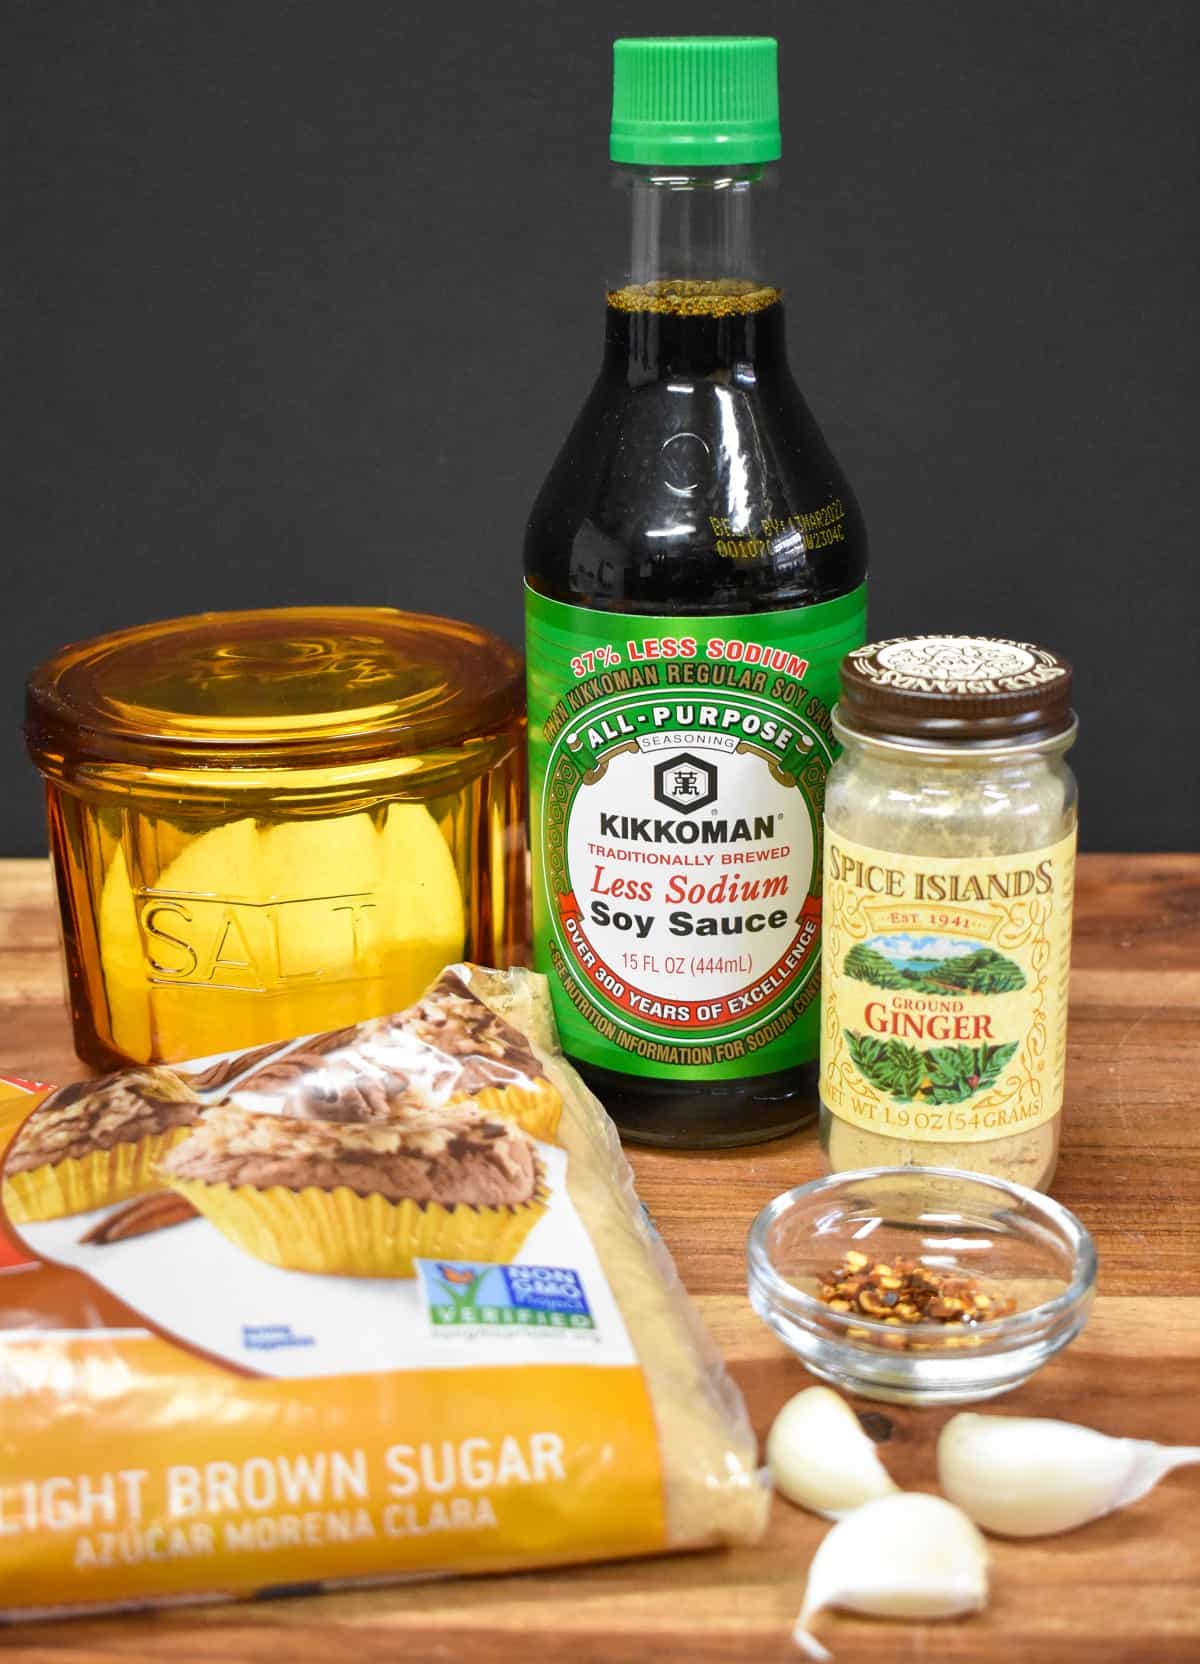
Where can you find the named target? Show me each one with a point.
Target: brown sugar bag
(376, 1302)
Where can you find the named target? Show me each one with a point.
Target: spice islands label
(944, 1009)
(678, 773)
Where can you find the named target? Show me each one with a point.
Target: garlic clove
(1023, 1476)
(907, 1555)
(820, 1458)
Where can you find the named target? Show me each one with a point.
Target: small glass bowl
(1010, 1239)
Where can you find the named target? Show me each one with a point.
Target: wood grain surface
(1125, 1590)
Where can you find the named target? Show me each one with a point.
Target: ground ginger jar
(271, 823)
(949, 868)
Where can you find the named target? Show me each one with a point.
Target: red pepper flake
(903, 1291)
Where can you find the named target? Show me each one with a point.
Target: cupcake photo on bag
(363, 1198)
(95, 1143)
(447, 1048)
(497, 1065)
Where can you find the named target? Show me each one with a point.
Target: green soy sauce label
(677, 770)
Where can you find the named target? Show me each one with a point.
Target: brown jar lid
(272, 688)
(956, 690)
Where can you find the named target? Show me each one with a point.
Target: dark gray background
(303, 297)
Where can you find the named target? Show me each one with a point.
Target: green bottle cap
(695, 100)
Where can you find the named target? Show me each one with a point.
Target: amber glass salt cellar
(266, 824)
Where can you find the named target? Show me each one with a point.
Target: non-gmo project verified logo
(461, 1294)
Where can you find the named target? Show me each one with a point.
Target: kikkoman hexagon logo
(685, 783)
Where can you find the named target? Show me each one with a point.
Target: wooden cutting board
(1125, 1590)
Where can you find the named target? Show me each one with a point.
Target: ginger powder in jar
(269, 823)
(949, 869)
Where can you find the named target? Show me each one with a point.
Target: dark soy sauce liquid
(695, 418)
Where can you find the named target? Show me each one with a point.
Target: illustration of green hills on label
(932, 965)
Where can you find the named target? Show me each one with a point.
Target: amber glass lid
(285, 685)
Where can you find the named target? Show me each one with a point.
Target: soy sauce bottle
(695, 567)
